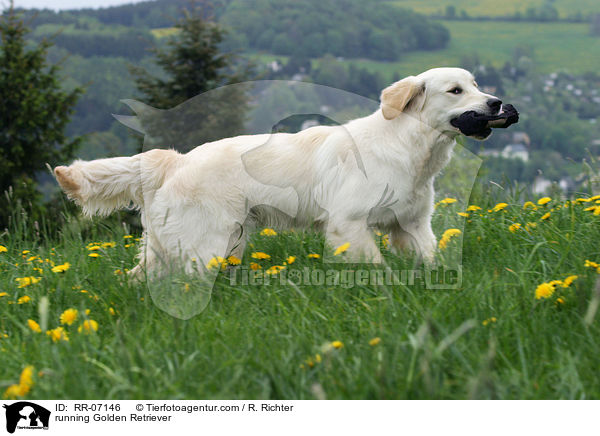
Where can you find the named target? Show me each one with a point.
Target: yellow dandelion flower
(128, 245)
(234, 260)
(473, 208)
(583, 200)
(489, 320)
(111, 311)
(27, 281)
(24, 252)
(268, 232)
(260, 255)
(3, 249)
(3, 294)
(546, 216)
(275, 269)
(94, 255)
(560, 300)
(544, 200)
(94, 248)
(447, 236)
(448, 200)
(117, 272)
(61, 268)
(217, 262)
(568, 281)
(31, 258)
(499, 207)
(24, 299)
(314, 256)
(255, 266)
(34, 326)
(463, 214)
(529, 205)
(127, 237)
(88, 326)
(290, 260)
(58, 334)
(69, 316)
(337, 344)
(514, 227)
(342, 248)
(109, 244)
(374, 341)
(545, 290)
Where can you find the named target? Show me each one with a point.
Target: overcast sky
(67, 4)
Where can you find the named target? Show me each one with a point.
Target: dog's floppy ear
(396, 98)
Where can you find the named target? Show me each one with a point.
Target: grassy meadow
(493, 8)
(522, 324)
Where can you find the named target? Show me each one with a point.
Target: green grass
(257, 341)
(494, 8)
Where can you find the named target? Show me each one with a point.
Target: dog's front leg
(362, 245)
(420, 236)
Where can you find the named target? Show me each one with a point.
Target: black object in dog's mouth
(479, 125)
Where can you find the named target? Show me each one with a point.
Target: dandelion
(109, 244)
(88, 326)
(473, 208)
(3, 294)
(545, 290)
(234, 260)
(314, 256)
(514, 227)
(447, 201)
(374, 341)
(34, 326)
(24, 252)
(337, 344)
(127, 237)
(111, 311)
(274, 269)
(3, 249)
(217, 262)
(93, 247)
(61, 268)
(94, 255)
(58, 334)
(568, 281)
(546, 216)
(499, 207)
(463, 214)
(529, 205)
(23, 387)
(128, 245)
(27, 281)
(448, 234)
(69, 316)
(560, 300)
(268, 232)
(290, 260)
(24, 299)
(260, 255)
(255, 266)
(117, 272)
(341, 249)
(31, 258)
(489, 320)
(544, 200)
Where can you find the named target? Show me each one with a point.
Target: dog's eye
(456, 90)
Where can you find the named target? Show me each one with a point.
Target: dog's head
(437, 97)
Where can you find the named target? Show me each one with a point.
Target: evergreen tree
(34, 112)
(193, 64)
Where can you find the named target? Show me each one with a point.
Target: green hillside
(556, 47)
(494, 8)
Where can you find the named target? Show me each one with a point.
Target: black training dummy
(471, 122)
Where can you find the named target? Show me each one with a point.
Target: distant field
(495, 8)
(557, 46)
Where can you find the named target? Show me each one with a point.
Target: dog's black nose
(494, 104)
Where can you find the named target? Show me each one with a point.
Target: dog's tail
(104, 185)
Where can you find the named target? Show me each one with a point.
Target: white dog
(373, 171)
